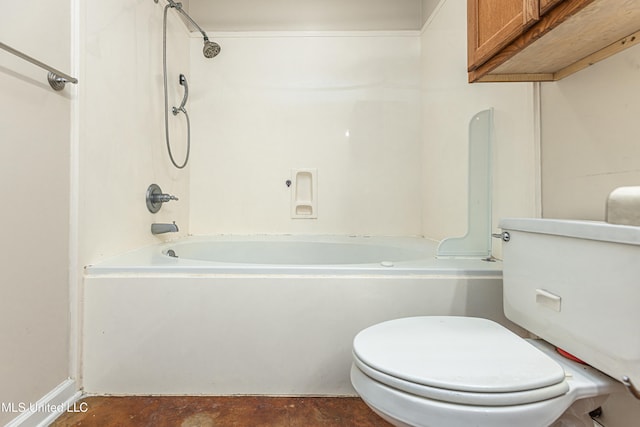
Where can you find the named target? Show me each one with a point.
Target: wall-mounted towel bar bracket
(57, 79)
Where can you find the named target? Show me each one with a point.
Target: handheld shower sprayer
(209, 50)
(183, 82)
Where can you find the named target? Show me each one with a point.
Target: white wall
(275, 101)
(590, 132)
(34, 183)
(448, 103)
(122, 143)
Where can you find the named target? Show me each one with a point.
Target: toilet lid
(462, 354)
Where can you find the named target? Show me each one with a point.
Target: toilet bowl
(447, 371)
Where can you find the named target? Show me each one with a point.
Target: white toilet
(572, 283)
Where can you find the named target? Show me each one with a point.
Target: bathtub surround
(386, 128)
(354, 117)
(344, 103)
(122, 125)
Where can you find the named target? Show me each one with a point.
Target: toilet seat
(461, 360)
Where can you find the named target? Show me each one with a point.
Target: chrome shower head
(210, 49)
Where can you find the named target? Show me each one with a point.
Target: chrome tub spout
(158, 228)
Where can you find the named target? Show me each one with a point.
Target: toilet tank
(576, 284)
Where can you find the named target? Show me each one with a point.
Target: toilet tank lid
(591, 230)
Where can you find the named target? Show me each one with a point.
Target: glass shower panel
(477, 242)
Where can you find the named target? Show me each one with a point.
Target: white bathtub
(290, 254)
(262, 315)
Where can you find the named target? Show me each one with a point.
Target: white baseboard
(61, 399)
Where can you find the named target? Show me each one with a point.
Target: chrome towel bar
(57, 79)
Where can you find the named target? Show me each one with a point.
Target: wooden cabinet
(495, 23)
(546, 40)
(545, 5)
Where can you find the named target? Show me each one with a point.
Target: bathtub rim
(150, 260)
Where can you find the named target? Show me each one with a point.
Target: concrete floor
(241, 411)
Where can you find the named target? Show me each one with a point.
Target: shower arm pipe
(178, 7)
(57, 79)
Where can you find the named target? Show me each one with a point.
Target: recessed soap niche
(304, 193)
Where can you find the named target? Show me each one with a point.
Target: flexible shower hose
(166, 99)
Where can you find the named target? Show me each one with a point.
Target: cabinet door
(492, 24)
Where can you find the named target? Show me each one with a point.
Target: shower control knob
(162, 198)
(155, 198)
